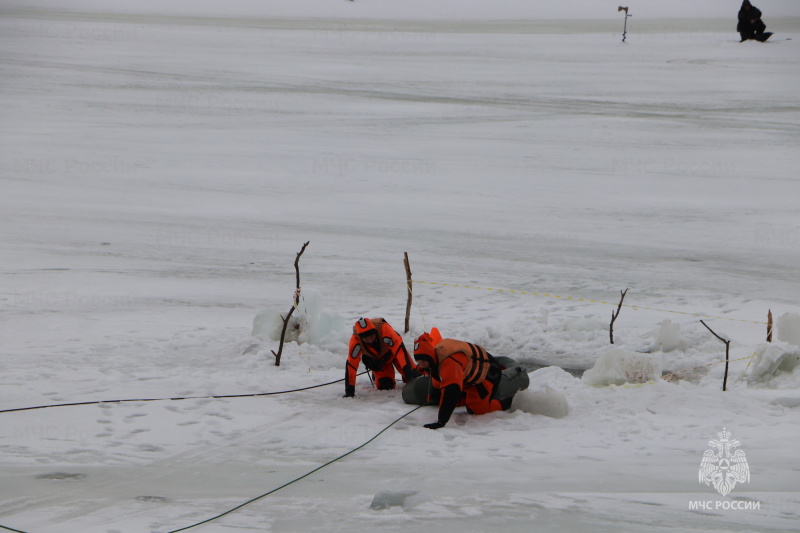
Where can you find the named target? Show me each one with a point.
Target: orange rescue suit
(392, 353)
(465, 375)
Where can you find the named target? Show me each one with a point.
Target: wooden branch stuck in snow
(727, 355)
(615, 315)
(296, 303)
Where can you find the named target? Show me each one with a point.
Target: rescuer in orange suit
(375, 343)
(462, 374)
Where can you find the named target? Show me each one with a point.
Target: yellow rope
(669, 376)
(748, 366)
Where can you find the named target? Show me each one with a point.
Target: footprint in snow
(220, 415)
(153, 499)
(62, 475)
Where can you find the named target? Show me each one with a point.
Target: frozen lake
(159, 172)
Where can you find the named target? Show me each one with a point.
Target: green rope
(299, 478)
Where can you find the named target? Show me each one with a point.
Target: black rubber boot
(385, 384)
(506, 402)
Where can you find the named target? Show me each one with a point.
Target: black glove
(349, 391)
(434, 425)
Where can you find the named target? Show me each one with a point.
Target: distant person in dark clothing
(750, 24)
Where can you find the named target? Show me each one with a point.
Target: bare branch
(296, 303)
(769, 326)
(615, 315)
(297, 271)
(713, 333)
(727, 355)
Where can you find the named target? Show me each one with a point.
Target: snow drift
(619, 366)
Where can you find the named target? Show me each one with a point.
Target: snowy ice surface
(163, 162)
(617, 366)
(787, 328)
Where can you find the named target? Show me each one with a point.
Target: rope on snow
(215, 397)
(299, 478)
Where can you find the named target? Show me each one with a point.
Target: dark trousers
(751, 30)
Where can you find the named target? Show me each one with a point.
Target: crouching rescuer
(375, 343)
(462, 374)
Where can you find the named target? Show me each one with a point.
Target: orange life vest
(478, 362)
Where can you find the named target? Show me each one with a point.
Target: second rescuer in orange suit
(462, 374)
(375, 343)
